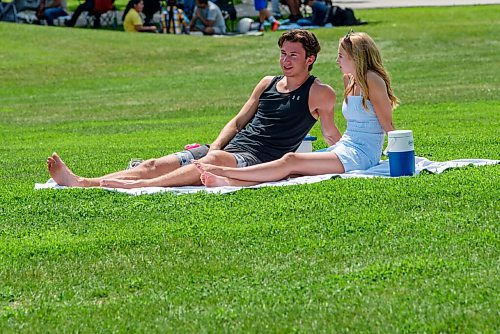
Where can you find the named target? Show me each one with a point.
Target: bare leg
(61, 173)
(152, 168)
(290, 164)
(294, 7)
(205, 167)
(212, 180)
(184, 176)
(264, 14)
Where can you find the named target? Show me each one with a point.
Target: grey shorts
(243, 158)
(186, 156)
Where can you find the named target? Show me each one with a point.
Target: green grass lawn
(417, 254)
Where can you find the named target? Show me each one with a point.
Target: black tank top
(281, 122)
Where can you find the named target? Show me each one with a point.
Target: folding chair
(8, 12)
(26, 10)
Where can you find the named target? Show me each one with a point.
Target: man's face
(201, 5)
(293, 58)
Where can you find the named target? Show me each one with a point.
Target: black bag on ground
(338, 16)
(227, 8)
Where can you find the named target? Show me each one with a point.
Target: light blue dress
(361, 145)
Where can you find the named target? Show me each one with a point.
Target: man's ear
(310, 60)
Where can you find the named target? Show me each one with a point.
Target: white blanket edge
(380, 170)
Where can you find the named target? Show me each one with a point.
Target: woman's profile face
(139, 7)
(345, 62)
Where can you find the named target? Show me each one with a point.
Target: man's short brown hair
(304, 37)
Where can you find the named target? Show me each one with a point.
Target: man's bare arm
(242, 118)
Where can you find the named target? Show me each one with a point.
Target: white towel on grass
(380, 170)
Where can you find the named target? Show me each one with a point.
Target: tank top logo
(295, 97)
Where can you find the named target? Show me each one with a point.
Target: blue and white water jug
(307, 144)
(401, 152)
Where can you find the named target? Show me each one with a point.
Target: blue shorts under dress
(361, 145)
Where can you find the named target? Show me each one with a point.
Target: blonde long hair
(366, 55)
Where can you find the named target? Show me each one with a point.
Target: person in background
(207, 18)
(187, 7)
(86, 6)
(151, 7)
(132, 21)
(367, 107)
(275, 7)
(51, 9)
(319, 12)
(294, 8)
(264, 13)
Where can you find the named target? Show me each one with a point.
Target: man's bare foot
(61, 173)
(212, 180)
(203, 167)
(119, 183)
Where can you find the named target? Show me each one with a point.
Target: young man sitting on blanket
(277, 116)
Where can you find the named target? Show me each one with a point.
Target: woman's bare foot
(212, 180)
(61, 173)
(203, 167)
(119, 183)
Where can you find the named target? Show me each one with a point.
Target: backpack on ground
(338, 16)
(228, 12)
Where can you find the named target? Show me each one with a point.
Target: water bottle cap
(400, 141)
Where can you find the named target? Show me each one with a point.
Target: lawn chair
(26, 10)
(8, 12)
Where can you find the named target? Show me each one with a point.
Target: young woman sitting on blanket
(367, 107)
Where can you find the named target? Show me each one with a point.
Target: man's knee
(214, 156)
(219, 157)
(289, 157)
(149, 164)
